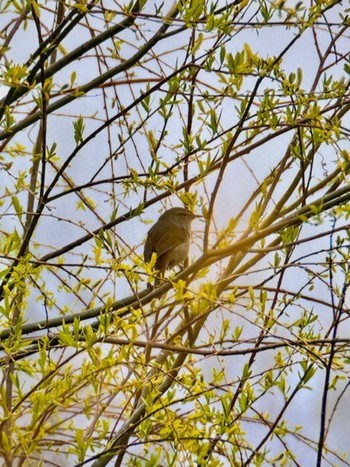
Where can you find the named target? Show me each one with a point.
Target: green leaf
(9, 118)
(73, 77)
(18, 208)
(79, 128)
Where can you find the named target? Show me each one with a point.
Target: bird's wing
(160, 239)
(148, 249)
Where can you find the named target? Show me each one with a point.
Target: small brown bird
(170, 239)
